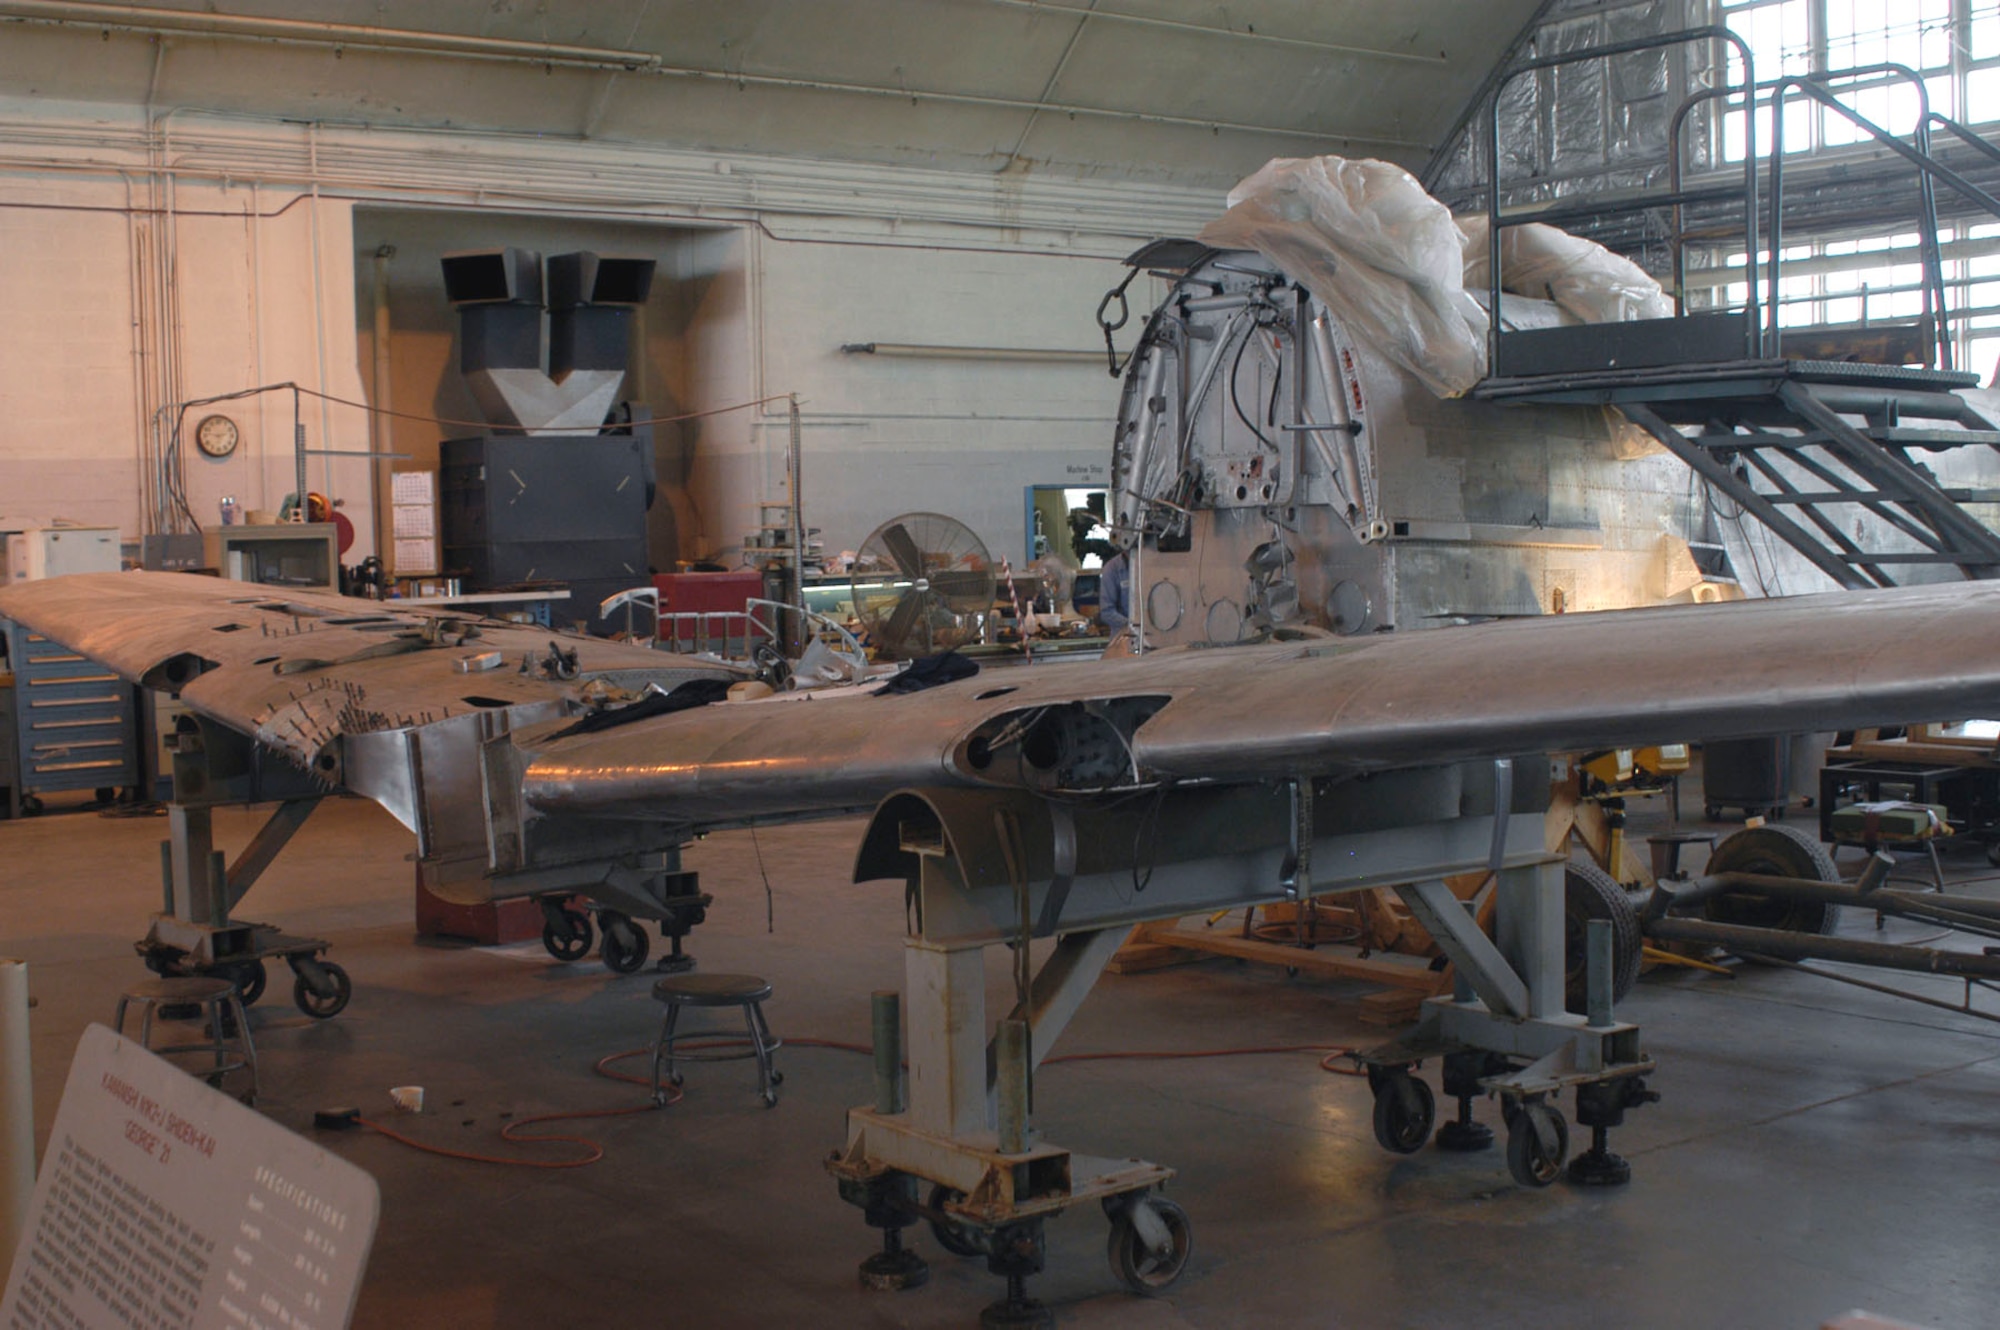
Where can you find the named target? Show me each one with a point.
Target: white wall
(114, 311)
(149, 262)
(885, 435)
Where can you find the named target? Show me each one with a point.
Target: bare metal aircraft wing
(509, 797)
(301, 670)
(1252, 713)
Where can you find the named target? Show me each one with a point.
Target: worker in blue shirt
(1114, 593)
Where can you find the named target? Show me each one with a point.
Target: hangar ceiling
(1185, 91)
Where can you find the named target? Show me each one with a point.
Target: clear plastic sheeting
(1384, 256)
(1580, 275)
(1590, 127)
(1393, 265)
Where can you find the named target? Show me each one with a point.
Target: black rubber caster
(1537, 1143)
(958, 1239)
(624, 947)
(249, 977)
(1404, 1111)
(1142, 1267)
(570, 943)
(324, 995)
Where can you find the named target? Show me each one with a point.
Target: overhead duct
(544, 346)
(545, 357)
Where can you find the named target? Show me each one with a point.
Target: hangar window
(1853, 255)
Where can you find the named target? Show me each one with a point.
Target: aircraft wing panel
(1555, 684)
(300, 669)
(1563, 683)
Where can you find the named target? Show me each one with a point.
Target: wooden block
(1389, 1007)
(1139, 957)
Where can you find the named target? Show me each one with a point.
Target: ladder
(1832, 453)
(1807, 447)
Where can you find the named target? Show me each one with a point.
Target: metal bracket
(1480, 963)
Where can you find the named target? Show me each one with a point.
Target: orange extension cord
(1331, 1054)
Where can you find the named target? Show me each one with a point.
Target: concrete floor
(1819, 1148)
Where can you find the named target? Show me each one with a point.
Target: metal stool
(715, 990)
(222, 1009)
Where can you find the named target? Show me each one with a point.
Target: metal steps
(1817, 451)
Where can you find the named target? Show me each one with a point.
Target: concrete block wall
(148, 262)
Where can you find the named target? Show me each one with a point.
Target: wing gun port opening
(1072, 747)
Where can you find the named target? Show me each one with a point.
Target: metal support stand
(978, 864)
(196, 932)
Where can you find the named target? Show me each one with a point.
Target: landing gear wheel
(1534, 1161)
(30, 806)
(624, 947)
(576, 945)
(250, 978)
(1404, 1112)
(958, 1239)
(1591, 893)
(323, 1006)
(1779, 852)
(1146, 1270)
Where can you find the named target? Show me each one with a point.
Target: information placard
(163, 1203)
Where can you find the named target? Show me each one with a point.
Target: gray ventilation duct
(545, 365)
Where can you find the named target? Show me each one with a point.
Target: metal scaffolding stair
(1793, 424)
(1806, 447)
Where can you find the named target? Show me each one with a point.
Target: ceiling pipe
(1239, 34)
(925, 351)
(147, 21)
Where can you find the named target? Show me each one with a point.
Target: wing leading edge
(1824, 662)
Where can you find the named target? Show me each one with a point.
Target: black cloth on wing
(683, 697)
(929, 673)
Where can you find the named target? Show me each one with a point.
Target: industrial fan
(920, 582)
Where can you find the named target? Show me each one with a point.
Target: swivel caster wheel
(1404, 1112)
(1537, 1144)
(1151, 1240)
(958, 1239)
(624, 947)
(571, 943)
(325, 995)
(249, 977)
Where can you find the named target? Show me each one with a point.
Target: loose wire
(605, 1066)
